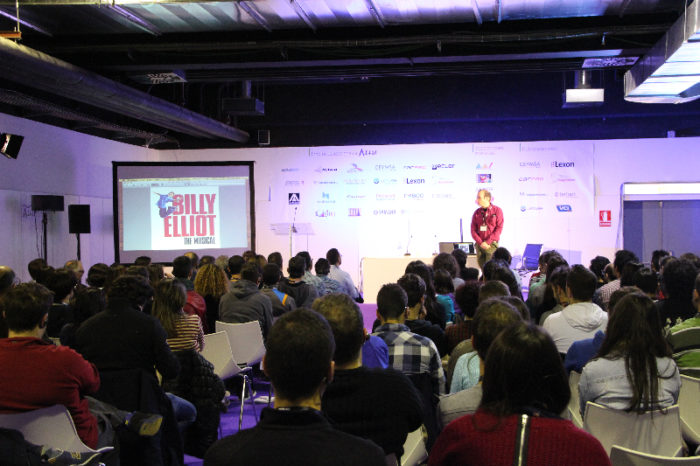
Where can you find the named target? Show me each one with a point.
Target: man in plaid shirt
(408, 352)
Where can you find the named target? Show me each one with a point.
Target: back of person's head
(300, 348)
(144, 261)
(656, 257)
(609, 273)
(248, 255)
(518, 304)
(617, 295)
(182, 267)
(635, 334)
(697, 289)
(296, 267)
(35, 267)
(646, 280)
(490, 267)
(523, 372)
(275, 258)
(169, 298)
(235, 263)
(43, 275)
(493, 289)
(97, 275)
(628, 273)
(211, 280)
(76, 267)
(503, 254)
(421, 269)
(581, 282)
(467, 297)
(139, 270)
(505, 275)
(692, 258)
(116, 270)
(308, 263)
(135, 289)
(347, 324)
(222, 262)
(155, 273)
(597, 266)
(260, 261)
(445, 261)
(25, 305)
(554, 261)
(391, 301)
(492, 316)
(323, 267)
(460, 256)
(333, 256)
(194, 258)
(470, 273)
(443, 282)
(250, 272)
(206, 260)
(88, 302)
(558, 276)
(414, 286)
(61, 282)
(544, 258)
(271, 274)
(7, 278)
(622, 257)
(678, 279)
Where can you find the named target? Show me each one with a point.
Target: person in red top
(487, 224)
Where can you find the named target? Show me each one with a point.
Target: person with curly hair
(211, 283)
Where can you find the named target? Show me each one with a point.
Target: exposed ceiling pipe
(46, 73)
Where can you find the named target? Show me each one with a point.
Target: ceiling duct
(244, 105)
(40, 71)
(670, 72)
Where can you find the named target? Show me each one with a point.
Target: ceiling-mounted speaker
(79, 218)
(44, 202)
(10, 144)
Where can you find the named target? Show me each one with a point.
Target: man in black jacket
(245, 302)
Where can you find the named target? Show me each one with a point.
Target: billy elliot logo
(353, 212)
(188, 216)
(567, 164)
(530, 164)
(564, 208)
(483, 178)
(294, 198)
(438, 166)
(415, 180)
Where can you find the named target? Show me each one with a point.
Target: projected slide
(165, 210)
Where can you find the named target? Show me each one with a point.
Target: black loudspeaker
(10, 144)
(42, 202)
(79, 218)
(263, 137)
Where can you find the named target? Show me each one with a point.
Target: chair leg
(252, 401)
(240, 416)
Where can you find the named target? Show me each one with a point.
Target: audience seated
(685, 339)
(493, 289)
(62, 283)
(524, 389)
(7, 282)
(656, 257)
(467, 299)
(537, 300)
(308, 277)
(87, 303)
(183, 271)
(602, 294)
(334, 258)
(295, 286)
(281, 302)
(299, 363)
(633, 370)
(492, 316)
(184, 331)
(648, 281)
(245, 302)
(581, 318)
(211, 284)
(445, 292)
(597, 266)
(97, 275)
(381, 405)
(677, 282)
(555, 298)
(434, 311)
(414, 286)
(235, 264)
(448, 262)
(323, 268)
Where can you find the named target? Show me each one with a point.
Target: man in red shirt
(487, 224)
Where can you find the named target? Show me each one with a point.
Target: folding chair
(621, 456)
(655, 432)
(414, 452)
(689, 406)
(531, 257)
(574, 405)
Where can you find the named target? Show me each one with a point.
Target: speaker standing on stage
(487, 224)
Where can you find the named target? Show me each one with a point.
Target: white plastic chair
(246, 341)
(52, 426)
(621, 456)
(655, 432)
(689, 405)
(574, 404)
(217, 350)
(414, 451)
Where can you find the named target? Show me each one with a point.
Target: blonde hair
(211, 280)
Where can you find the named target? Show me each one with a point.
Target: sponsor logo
(567, 194)
(559, 178)
(484, 166)
(326, 170)
(437, 166)
(288, 170)
(605, 218)
(414, 196)
(354, 168)
(386, 197)
(443, 196)
(415, 180)
(385, 181)
(415, 167)
(325, 213)
(355, 196)
(483, 178)
(385, 167)
(293, 183)
(564, 208)
(567, 164)
(325, 182)
(440, 180)
(526, 208)
(326, 199)
(354, 212)
(524, 194)
(384, 212)
(525, 179)
(355, 181)
(530, 164)
(363, 152)
(293, 198)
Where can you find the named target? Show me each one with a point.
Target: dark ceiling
(315, 72)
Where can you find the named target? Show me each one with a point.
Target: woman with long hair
(633, 370)
(211, 283)
(524, 390)
(184, 331)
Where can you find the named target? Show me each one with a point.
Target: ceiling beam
(376, 13)
(255, 15)
(302, 14)
(134, 19)
(15, 17)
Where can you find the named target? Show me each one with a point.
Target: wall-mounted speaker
(10, 144)
(79, 218)
(263, 137)
(43, 202)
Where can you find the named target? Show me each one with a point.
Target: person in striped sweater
(184, 331)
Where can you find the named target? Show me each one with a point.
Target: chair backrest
(574, 408)
(689, 406)
(531, 256)
(217, 350)
(52, 426)
(621, 456)
(656, 432)
(246, 341)
(414, 452)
